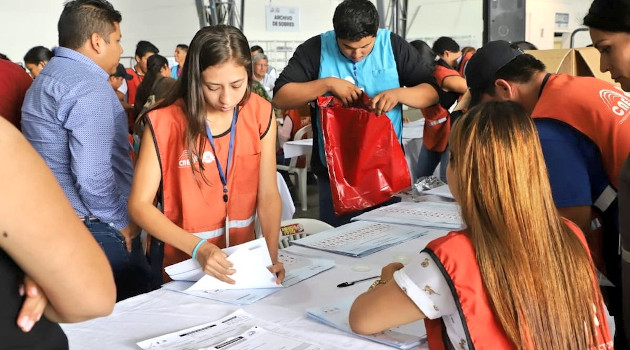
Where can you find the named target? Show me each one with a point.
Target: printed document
(297, 267)
(428, 214)
(361, 238)
(237, 331)
(336, 315)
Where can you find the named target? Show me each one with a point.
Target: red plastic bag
(366, 163)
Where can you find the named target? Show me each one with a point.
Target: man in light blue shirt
(73, 118)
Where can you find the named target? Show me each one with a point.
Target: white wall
(27, 23)
(540, 21)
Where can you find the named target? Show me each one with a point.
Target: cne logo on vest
(619, 103)
(184, 161)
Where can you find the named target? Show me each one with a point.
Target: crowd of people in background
(188, 154)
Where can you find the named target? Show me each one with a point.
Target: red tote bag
(366, 163)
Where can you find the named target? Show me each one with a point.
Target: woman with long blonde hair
(518, 277)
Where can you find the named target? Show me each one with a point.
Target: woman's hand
(387, 273)
(278, 269)
(35, 302)
(214, 262)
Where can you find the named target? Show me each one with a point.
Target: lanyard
(223, 175)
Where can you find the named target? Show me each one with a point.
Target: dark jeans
(131, 270)
(326, 210)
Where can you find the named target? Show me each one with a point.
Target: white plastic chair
(300, 173)
(293, 229)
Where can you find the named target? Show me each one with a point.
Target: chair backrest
(305, 132)
(299, 228)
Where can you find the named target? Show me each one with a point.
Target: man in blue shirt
(72, 117)
(354, 57)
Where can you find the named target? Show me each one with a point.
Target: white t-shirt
(424, 283)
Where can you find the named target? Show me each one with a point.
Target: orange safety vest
(437, 119)
(132, 85)
(462, 64)
(456, 256)
(597, 109)
(194, 205)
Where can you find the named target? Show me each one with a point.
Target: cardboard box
(582, 61)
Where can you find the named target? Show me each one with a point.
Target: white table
(161, 311)
(297, 148)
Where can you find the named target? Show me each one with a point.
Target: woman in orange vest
(518, 277)
(208, 152)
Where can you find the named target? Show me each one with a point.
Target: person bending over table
(209, 149)
(51, 264)
(519, 277)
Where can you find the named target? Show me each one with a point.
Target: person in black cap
(117, 80)
(585, 137)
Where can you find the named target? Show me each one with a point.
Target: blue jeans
(327, 211)
(131, 270)
(429, 160)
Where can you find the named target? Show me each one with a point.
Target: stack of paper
(428, 214)
(237, 331)
(297, 268)
(360, 238)
(336, 315)
(442, 191)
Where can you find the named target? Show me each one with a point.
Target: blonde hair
(537, 273)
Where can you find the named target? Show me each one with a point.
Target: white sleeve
(123, 88)
(424, 284)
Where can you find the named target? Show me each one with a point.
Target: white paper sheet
(428, 214)
(361, 238)
(237, 331)
(336, 315)
(442, 191)
(297, 267)
(250, 261)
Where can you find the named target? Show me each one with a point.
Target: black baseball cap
(485, 63)
(122, 72)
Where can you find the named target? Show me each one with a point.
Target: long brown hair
(211, 46)
(537, 273)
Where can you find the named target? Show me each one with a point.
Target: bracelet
(194, 253)
(376, 283)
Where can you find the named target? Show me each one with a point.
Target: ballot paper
(237, 331)
(298, 267)
(336, 315)
(361, 238)
(442, 191)
(427, 214)
(251, 261)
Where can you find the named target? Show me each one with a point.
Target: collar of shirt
(81, 58)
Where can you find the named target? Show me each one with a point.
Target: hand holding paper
(251, 261)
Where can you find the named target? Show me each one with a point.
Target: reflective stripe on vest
(605, 199)
(220, 231)
(436, 122)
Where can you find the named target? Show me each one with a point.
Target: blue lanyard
(223, 175)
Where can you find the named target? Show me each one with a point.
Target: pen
(347, 284)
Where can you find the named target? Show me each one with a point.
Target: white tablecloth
(161, 311)
(297, 148)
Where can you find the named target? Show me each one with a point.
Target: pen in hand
(347, 284)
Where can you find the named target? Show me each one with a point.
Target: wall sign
(282, 19)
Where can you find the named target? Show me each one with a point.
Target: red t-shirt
(13, 85)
